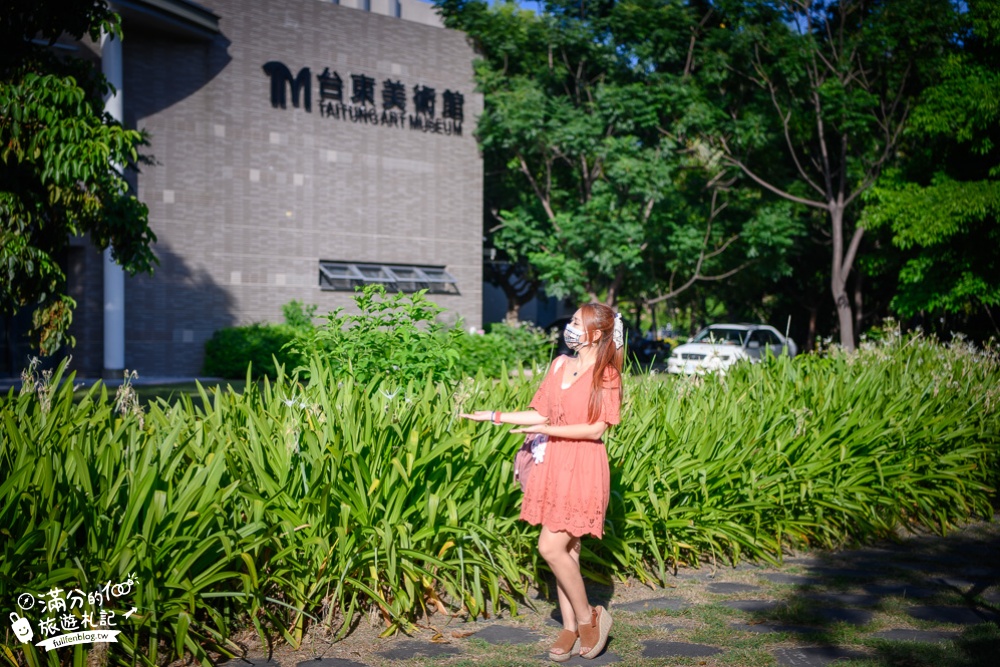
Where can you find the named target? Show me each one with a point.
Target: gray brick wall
(245, 199)
(85, 283)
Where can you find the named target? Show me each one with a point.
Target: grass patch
(975, 647)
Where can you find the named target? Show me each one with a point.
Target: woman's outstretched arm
(523, 418)
(569, 431)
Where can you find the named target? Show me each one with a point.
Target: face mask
(572, 336)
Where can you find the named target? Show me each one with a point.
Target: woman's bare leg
(561, 551)
(565, 607)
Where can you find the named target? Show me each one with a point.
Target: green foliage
(950, 229)
(298, 504)
(942, 206)
(62, 163)
(395, 337)
(230, 351)
(24, 20)
(503, 349)
(392, 338)
(812, 452)
(591, 122)
(828, 86)
(298, 314)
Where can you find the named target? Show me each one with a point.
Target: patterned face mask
(572, 336)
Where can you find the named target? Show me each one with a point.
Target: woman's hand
(537, 428)
(478, 415)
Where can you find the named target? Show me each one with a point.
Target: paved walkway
(924, 600)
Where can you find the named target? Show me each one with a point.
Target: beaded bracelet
(496, 417)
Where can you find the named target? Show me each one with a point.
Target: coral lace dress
(569, 490)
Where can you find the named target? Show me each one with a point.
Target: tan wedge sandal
(565, 644)
(594, 635)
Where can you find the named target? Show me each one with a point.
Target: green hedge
(299, 503)
(503, 348)
(229, 352)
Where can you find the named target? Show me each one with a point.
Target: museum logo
(417, 111)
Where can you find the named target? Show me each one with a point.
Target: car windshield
(723, 336)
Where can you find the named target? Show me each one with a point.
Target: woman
(568, 492)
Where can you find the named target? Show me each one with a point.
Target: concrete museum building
(300, 148)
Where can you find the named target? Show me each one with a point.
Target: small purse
(528, 456)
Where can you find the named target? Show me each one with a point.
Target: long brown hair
(598, 317)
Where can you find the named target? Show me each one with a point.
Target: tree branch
(542, 197)
(785, 117)
(852, 250)
(689, 64)
(776, 190)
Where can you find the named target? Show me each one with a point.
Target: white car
(719, 346)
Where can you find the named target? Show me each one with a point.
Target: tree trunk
(838, 277)
(844, 317)
(513, 316)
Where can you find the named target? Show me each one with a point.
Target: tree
(837, 82)
(942, 205)
(58, 151)
(588, 110)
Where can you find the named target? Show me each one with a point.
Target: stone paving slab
(925, 636)
(772, 628)
(849, 616)
(843, 573)
(409, 648)
(925, 560)
(982, 572)
(846, 599)
(796, 579)
(814, 656)
(252, 660)
(912, 570)
(660, 649)
(877, 567)
(726, 587)
(963, 582)
(671, 604)
(753, 606)
(900, 590)
(505, 634)
(956, 615)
